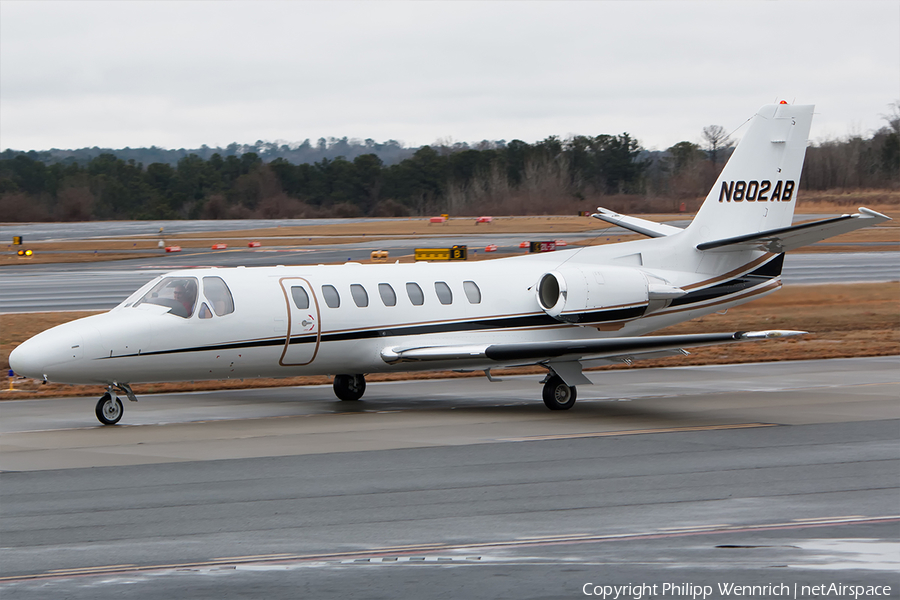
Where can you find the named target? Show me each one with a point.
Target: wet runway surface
(101, 286)
(43, 232)
(741, 474)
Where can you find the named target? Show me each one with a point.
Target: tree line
(552, 176)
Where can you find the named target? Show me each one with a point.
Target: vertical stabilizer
(757, 189)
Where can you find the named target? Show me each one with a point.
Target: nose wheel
(109, 409)
(349, 387)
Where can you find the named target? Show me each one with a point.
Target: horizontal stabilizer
(790, 238)
(642, 226)
(535, 352)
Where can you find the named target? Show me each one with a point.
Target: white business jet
(562, 310)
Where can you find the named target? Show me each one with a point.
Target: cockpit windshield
(178, 293)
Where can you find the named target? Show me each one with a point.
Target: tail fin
(757, 189)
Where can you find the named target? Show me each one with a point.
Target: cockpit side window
(218, 294)
(177, 293)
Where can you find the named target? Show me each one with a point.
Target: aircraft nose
(26, 360)
(35, 357)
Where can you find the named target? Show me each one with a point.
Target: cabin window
(359, 295)
(443, 292)
(179, 294)
(219, 295)
(415, 294)
(472, 292)
(331, 296)
(204, 312)
(300, 297)
(388, 296)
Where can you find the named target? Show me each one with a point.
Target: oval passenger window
(301, 298)
(472, 292)
(360, 297)
(415, 294)
(388, 296)
(443, 292)
(331, 296)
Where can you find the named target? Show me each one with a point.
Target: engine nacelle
(594, 296)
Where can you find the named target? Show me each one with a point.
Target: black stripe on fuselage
(537, 320)
(519, 322)
(766, 272)
(220, 347)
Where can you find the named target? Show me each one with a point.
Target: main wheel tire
(109, 411)
(558, 395)
(349, 387)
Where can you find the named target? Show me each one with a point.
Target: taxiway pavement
(749, 474)
(101, 286)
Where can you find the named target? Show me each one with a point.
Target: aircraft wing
(642, 226)
(567, 351)
(797, 236)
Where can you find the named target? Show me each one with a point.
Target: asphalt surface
(47, 232)
(101, 286)
(766, 474)
(30, 287)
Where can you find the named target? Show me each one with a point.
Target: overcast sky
(183, 74)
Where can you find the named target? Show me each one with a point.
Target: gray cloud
(181, 74)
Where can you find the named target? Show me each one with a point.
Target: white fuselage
(610, 293)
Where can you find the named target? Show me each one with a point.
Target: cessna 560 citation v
(562, 310)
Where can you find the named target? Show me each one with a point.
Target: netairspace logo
(726, 590)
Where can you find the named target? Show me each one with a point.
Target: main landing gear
(558, 395)
(349, 387)
(109, 408)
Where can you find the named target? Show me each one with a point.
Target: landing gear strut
(349, 387)
(558, 395)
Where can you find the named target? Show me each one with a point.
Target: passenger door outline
(300, 325)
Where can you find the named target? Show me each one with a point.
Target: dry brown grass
(882, 238)
(292, 237)
(845, 321)
(843, 201)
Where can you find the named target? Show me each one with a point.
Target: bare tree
(893, 117)
(716, 139)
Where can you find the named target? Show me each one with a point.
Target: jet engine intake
(592, 296)
(552, 293)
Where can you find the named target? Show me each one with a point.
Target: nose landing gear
(109, 409)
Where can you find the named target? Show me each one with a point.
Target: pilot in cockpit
(186, 294)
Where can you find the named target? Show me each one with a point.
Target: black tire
(558, 395)
(349, 387)
(109, 412)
